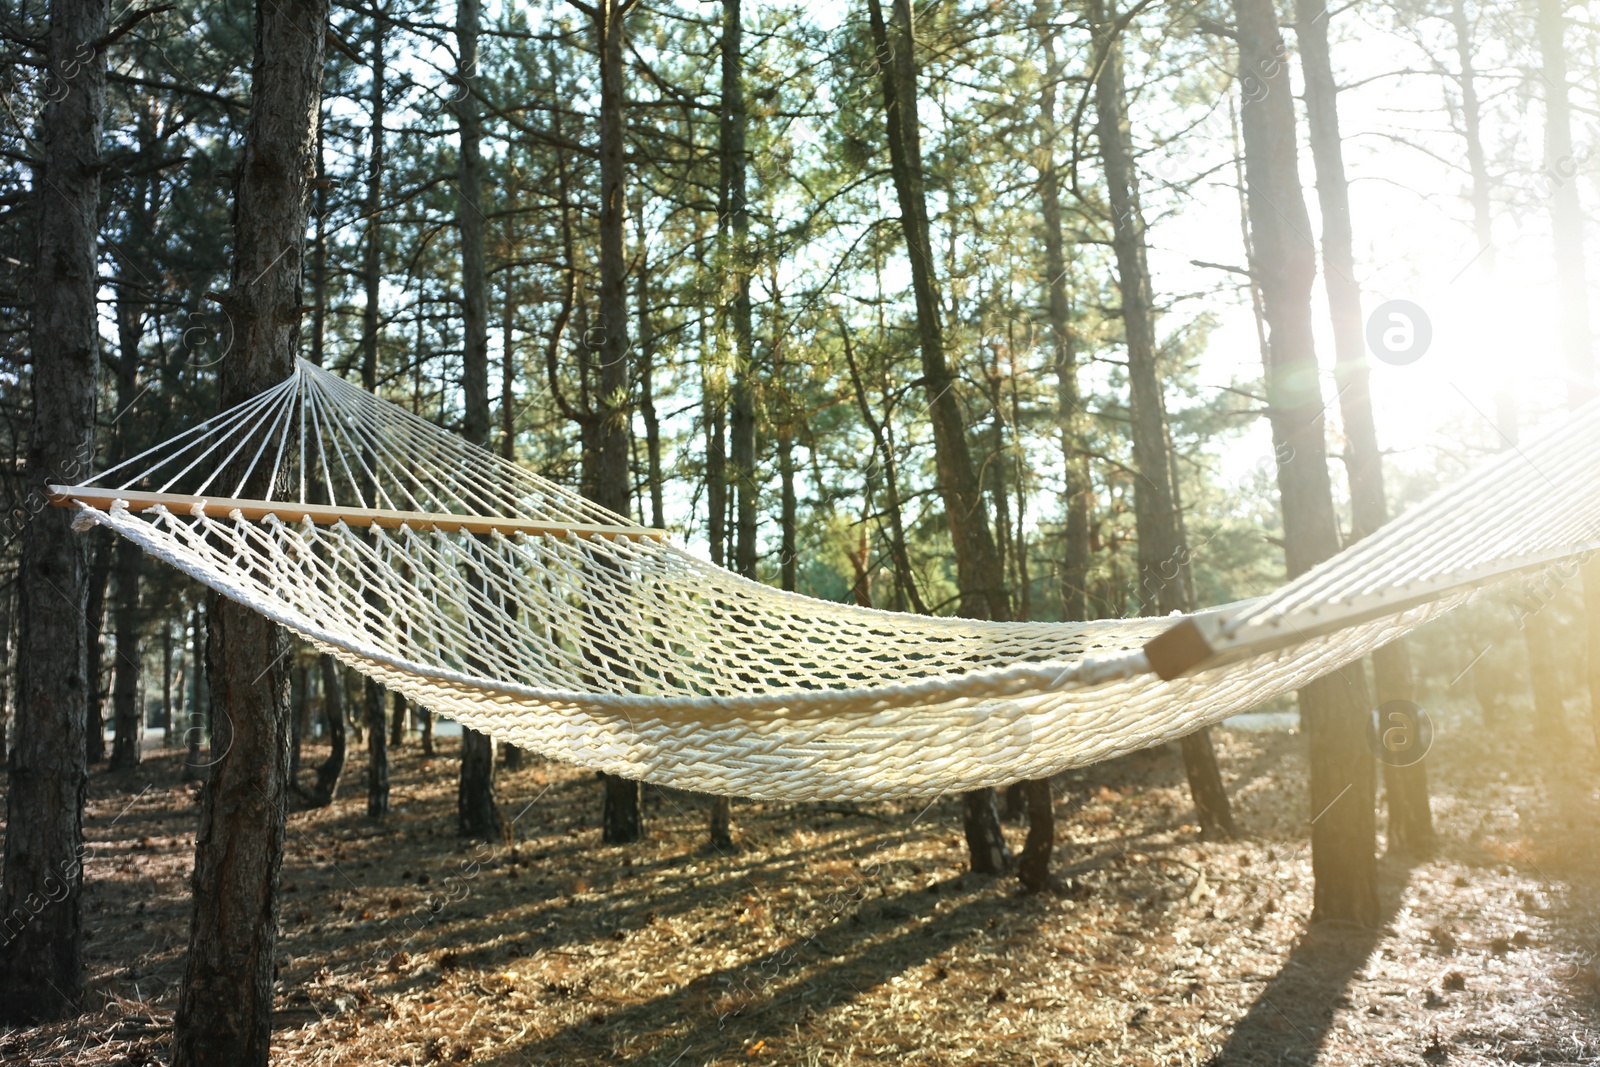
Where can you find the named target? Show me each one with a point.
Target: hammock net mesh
(575, 633)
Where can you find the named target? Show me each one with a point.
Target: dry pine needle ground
(845, 934)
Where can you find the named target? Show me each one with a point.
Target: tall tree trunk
(41, 964)
(1567, 222)
(166, 680)
(1163, 556)
(733, 236)
(733, 226)
(1406, 788)
(979, 577)
(620, 816)
(224, 1014)
(127, 712)
(1333, 708)
(510, 754)
(477, 811)
(371, 325)
(1069, 405)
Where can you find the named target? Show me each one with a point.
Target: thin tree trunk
(510, 754)
(328, 772)
(883, 440)
(41, 965)
(299, 716)
(733, 235)
(126, 708)
(371, 325)
(1333, 708)
(733, 225)
(166, 679)
(102, 547)
(125, 717)
(788, 506)
(1162, 552)
(1069, 405)
(224, 1012)
(194, 767)
(647, 384)
(477, 812)
(1406, 788)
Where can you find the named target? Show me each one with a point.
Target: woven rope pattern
(631, 656)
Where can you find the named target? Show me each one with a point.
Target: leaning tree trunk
(1333, 708)
(41, 965)
(979, 577)
(1163, 556)
(1406, 787)
(477, 812)
(1567, 223)
(224, 1014)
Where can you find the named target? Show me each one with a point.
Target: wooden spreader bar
(327, 514)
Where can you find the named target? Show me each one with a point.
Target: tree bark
(1163, 555)
(126, 716)
(788, 504)
(224, 1013)
(647, 384)
(1406, 788)
(477, 812)
(611, 483)
(397, 721)
(326, 785)
(1333, 709)
(979, 578)
(371, 325)
(41, 964)
(1033, 865)
(733, 234)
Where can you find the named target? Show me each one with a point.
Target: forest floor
(850, 934)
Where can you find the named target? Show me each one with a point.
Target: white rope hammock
(512, 605)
